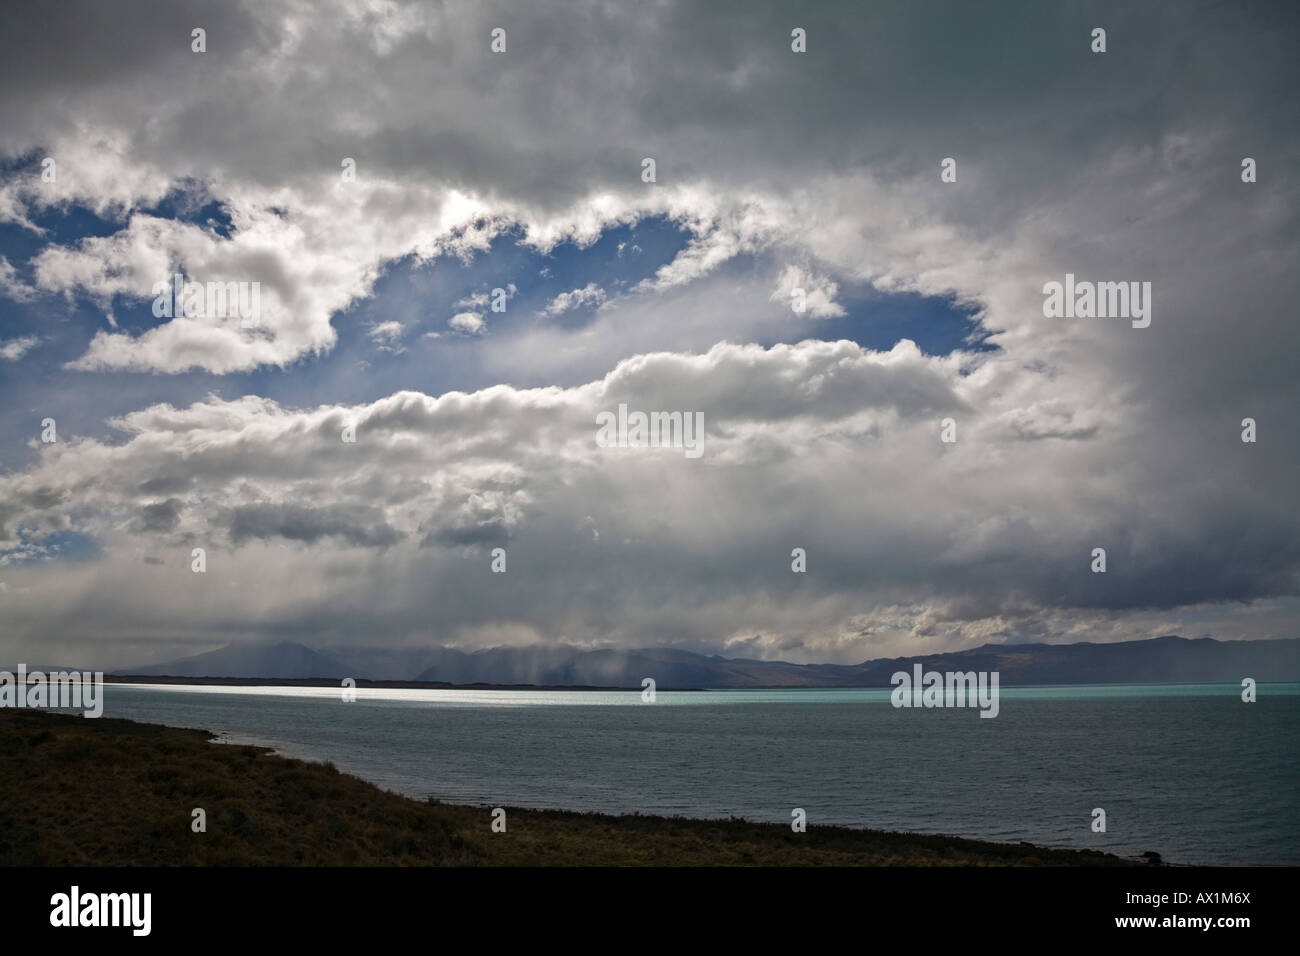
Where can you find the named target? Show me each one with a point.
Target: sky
(377, 171)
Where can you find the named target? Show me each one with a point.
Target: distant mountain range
(1158, 660)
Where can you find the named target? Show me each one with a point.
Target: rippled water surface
(1189, 771)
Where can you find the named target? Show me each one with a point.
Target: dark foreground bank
(79, 792)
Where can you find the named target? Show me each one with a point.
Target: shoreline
(329, 683)
(334, 683)
(115, 792)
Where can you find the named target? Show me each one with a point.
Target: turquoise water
(1186, 770)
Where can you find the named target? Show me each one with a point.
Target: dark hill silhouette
(280, 661)
(1158, 660)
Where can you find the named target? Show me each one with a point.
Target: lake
(1189, 771)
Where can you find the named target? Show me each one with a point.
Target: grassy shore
(78, 792)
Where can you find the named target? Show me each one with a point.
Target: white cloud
(817, 291)
(11, 350)
(590, 294)
(11, 286)
(821, 445)
(483, 299)
(388, 336)
(469, 323)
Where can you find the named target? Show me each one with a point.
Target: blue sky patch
(400, 337)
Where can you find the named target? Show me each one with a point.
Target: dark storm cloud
(363, 527)
(1071, 434)
(162, 516)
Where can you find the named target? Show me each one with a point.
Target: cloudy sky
(522, 170)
